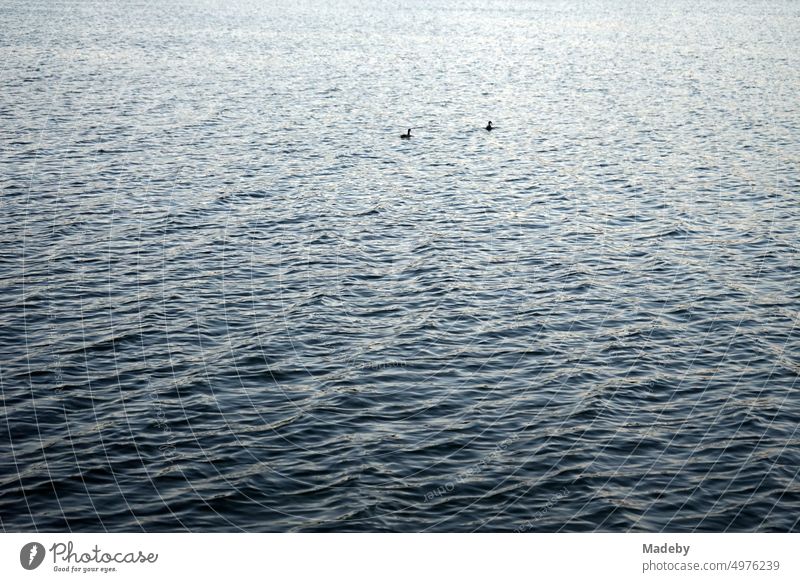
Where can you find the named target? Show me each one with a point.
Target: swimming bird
(489, 127)
(406, 135)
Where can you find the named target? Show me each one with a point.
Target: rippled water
(233, 298)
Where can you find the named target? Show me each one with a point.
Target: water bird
(489, 127)
(406, 135)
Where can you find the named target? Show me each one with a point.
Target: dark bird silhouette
(406, 135)
(489, 127)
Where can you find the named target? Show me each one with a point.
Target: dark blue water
(233, 299)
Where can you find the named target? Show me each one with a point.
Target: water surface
(233, 299)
